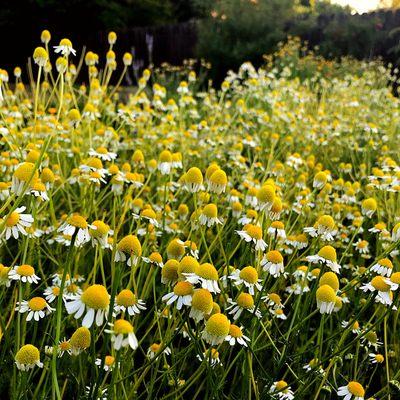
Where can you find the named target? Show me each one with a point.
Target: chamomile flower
(4, 277)
(206, 275)
(65, 48)
(383, 267)
(202, 304)
(324, 227)
(23, 273)
(76, 224)
(16, 223)
(320, 180)
(352, 391)
(217, 329)
(383, 288)
(326, 255)
(369, 207)
(281, 390)
(326, 299)
(265, 197)
(244, 302)
(35, 308)
(253, 233)
(94, 300)
(211, 356)
(182, 294)
(314, 364)
(126, 301)
(156, 349)
(193, 180)
(277, 229)
(100, 233)
(236, 336)
(129, 249)
(64, 346)
(165, 162)
(169, 272)
(273, 263)
(217, 182)
(376, 358)
(28, 357)
(80, 340)
(109, 363)
(247, 276)
(122, 334)
(103, 154)
(209, 215)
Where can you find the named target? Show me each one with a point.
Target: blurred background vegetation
(223, 32)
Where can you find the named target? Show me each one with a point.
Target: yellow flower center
(155, 347)
(81, 338)
(165, 156)
(170, 270)
(275, 257)
(280, 385)
(155, 257)
(183, 289)
(275, 298)
(202, 300)
(123, 327)
(25, 270)
(218, 325)
(379, 358)
(249, 274)
(194, 176)
(253, 231)
(245, 300)
(101, 150)
(126, 298)
(175, 249)
(12, 219)
(210, 211)
(395, 277)
(266, 194)
(101, 228)
(96, 297)
(78, 221)
(27, 354)
(277, 225)
(37, 303)
(207, 271)
(65, 345)
(130, 244)
(235, 331)
(326, 221)
(94, 163)
(378, 282)
(219, 178)
(356, 389)
(385, 262)
(326, 294)
(109, 360)
(25, 171)
(330, 279)
(369, 204)
(328, 253)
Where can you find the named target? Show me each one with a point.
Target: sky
(359, 5)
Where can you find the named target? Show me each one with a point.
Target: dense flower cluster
(232, 243)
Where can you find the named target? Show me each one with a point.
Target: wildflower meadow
(179, 240)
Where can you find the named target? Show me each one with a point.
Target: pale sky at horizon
(359, 5)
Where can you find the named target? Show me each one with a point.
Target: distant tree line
(225, 32)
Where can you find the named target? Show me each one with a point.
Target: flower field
(174, 242)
